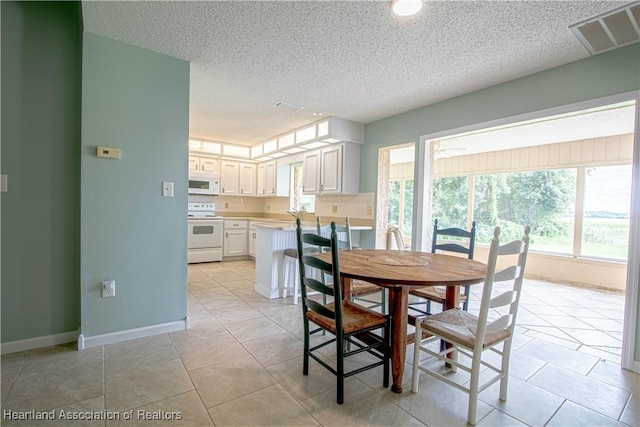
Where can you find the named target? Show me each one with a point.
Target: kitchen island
(271, 242)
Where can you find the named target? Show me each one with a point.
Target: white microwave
(204, 184)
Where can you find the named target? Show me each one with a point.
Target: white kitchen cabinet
(260, 179)
(247, 179)
(332, 170)
(270, 179)
(273, 179)
(252, 241)
(235, 238)
(311, 172)
(229, 178)
(237, 178)
(207, 165)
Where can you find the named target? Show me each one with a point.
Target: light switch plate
(4, 185)
(167, 189)
(108, 288)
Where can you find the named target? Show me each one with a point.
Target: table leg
(398, 299)
(346, 287)
(452, 297)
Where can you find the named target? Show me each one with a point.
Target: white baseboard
(38, 342)
(130, 334)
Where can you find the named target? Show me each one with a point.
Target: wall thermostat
(109, 152)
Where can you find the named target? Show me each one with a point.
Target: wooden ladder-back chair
(359, 288)
(471, 335)
(348, 322)
(437, 294)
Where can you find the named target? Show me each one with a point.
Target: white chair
(394, 239)
(471, 335)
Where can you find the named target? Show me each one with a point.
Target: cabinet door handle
(226, 234)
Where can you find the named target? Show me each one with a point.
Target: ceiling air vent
(618, 28)
(283, 105)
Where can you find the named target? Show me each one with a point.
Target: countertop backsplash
(359, 207)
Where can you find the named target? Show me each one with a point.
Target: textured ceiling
(349, 59)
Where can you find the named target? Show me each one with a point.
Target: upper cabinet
(247, 179)
(311, 172)
(273, 179)
(332, 170)
(207, 165)
(229, 178)
(237, 178)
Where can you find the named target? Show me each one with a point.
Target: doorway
(395, 193)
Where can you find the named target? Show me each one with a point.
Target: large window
(607, 199)
(450, 201)
(545, 200)
(299, 201)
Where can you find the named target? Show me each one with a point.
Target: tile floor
(240, 364)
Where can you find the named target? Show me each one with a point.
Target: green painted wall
(598, 76)
(138, 101)
(41, 94)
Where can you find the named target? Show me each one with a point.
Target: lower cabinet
(252, 241)
(235, 238)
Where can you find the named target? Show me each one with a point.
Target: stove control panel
(200, 209)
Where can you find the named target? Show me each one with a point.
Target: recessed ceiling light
(317, 114)
(406, 7)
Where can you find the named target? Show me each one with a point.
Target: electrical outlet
(226, 205)
(268, 207)
(108, 288)
(334, 208)
(369, 209)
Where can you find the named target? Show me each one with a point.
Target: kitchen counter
(271, 241)
(306, 226)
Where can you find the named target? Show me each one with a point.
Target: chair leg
(415, 372)
(285, 278)
(340, 369)
(504, 381)
(387, 353)
(467, 293)
(296, 284)
(473, 388)
(305, 356)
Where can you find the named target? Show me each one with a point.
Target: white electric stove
(204, 239)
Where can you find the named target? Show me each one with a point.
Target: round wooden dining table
(399, 271)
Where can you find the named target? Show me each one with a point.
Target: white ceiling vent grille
(283, 105)
(618, 28)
